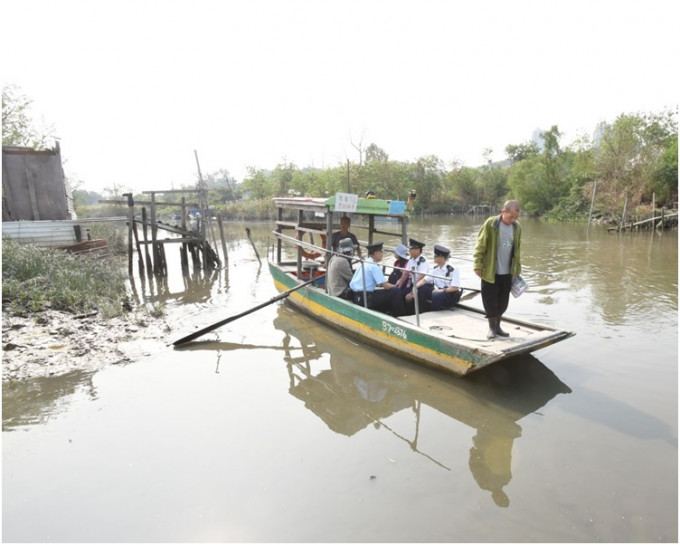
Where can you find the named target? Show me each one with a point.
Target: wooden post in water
(623, 217)
(204, 205)
(224, 244)
(254, 248)
(131, 220)
(140, 257)
(592, 202)
(184, 257)
(149, 266)
(154, 237)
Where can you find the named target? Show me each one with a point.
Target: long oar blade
(214, 326)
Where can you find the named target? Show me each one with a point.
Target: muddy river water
(276, 428)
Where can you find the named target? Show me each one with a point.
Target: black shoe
(499, 331)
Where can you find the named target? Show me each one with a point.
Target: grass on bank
(35, 279)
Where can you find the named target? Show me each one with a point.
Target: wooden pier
(193, 239)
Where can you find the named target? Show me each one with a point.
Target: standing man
(440, 289)
(497, 263)
(339, 271)
(345, 223)
(369, 277)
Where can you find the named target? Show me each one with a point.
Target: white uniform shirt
(452, 276)
(421, 265)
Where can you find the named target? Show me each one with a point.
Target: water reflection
(364, 386)
(36, 401)
(351, 387)
(197, 287)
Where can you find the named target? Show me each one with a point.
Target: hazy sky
(134, 87)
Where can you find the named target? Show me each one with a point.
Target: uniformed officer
(440, 288)
(405, 284)
(370, 276)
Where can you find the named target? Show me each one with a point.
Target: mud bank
(52, 343)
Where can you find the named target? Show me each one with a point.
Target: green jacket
(487, 249)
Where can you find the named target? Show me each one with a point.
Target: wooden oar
(210, 328)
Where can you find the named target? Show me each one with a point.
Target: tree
(520, 152)
(665, 174)
(257, 185)
(374, 153)
(428, 177)
(491, 181)
(528, 182)
(221, 187)
(18, 126)
(460, 186)
(282, 176)
(625, 158)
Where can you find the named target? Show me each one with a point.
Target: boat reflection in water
(351, 386)
(364, 386)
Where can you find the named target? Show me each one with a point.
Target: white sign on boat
(346, 202)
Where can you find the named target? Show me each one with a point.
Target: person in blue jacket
(370, 277)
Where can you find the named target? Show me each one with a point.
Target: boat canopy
(321, 216)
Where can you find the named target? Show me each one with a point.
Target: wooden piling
(131, 221)
(184, 258)
(154, 237)
(140, 257)
(253, 245)
(149, 266)
(224, 244)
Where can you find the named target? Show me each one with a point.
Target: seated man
(344, 232)
(339, 271)
(369, 276)
(440, 288)
(405, 283)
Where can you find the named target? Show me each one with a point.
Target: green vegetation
(627, 165)
(633, 161)
(18, 126)
(35, 279)
(630, 163)
(116, 235)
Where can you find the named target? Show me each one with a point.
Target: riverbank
(51, 343)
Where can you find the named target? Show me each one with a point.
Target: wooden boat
(452, 340)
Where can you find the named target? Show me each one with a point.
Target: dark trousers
(409, 306)
(496, 296)
(428, 299)
(387, 301)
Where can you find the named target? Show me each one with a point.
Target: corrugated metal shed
(40, 233)
(48, 232)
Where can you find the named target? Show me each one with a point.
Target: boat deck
(468, 326)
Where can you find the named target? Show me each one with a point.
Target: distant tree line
(630, 162)
(633, 160)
